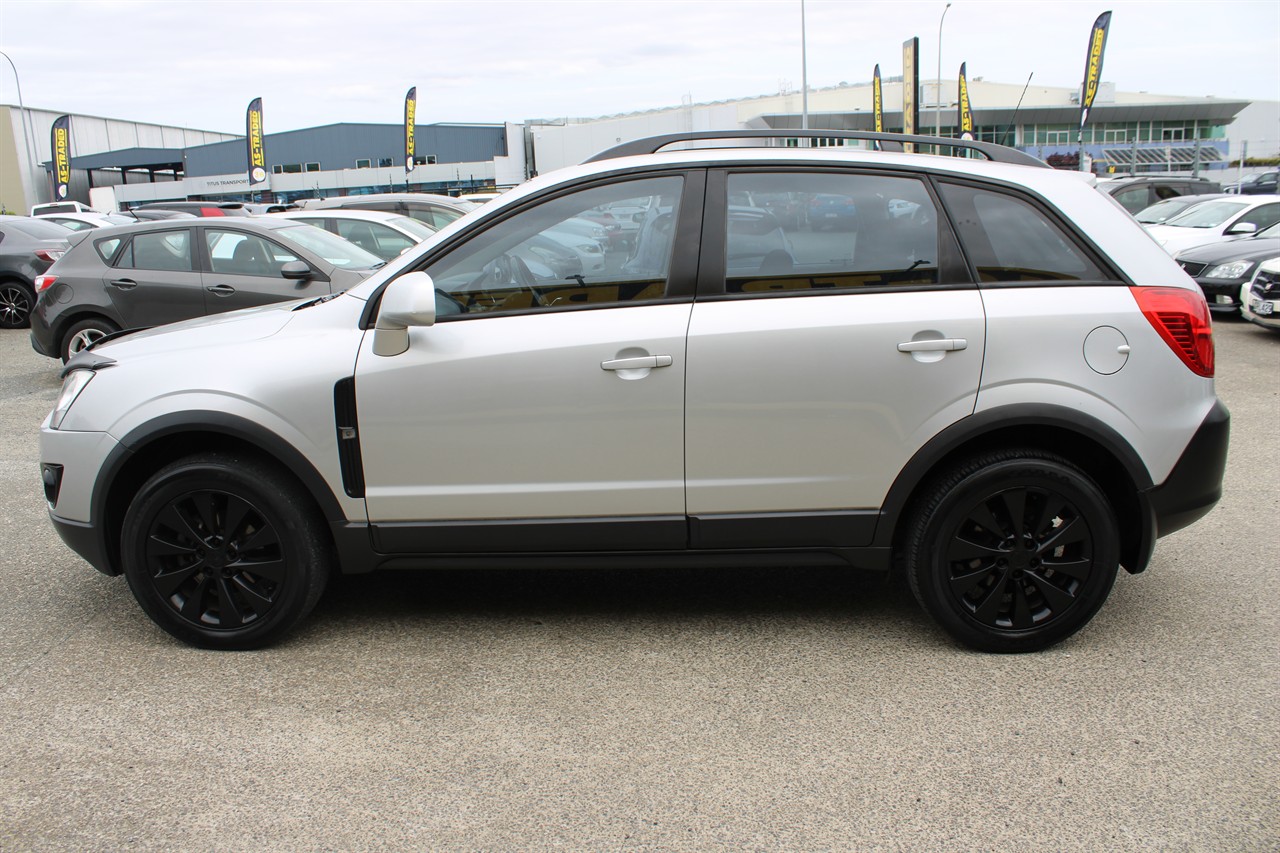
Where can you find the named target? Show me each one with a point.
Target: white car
(1215, 221)
(377, 232)
(1006, 396)
(85, 221)
(1260, 296)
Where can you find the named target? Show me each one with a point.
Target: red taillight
(44, 282)
(49, 255)
(211, 211)
(1182, 319)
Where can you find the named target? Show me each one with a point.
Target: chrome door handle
(124, 283)
(636, 363)
(221, 290)
(935, 345)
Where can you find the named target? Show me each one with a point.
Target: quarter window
(1008, 239)
(572, 251)
(820, 231)
(158, 250)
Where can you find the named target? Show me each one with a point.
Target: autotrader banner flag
(410, 114)
(60, 143)
(877, 100)
(910, 85)
(253, 138)
(966, 114)
(1093, 65)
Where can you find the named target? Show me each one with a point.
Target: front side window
(819, 231)
(558, 254)
(1263, 215)
(374, 237)
(238, 253)
(1009, 239)
(158, 250)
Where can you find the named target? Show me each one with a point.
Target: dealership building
(1127, 132)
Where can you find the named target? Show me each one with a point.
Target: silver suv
(987, 378)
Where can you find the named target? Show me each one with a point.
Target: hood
(1245, 250)
(248, 324)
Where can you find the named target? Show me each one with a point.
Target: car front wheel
(1012, 551)
(224, 551)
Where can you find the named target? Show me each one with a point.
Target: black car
(1221, 268)
(1141, 191)
(1260, 183)
(152, 273)
(28, 246)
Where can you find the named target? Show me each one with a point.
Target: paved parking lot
(674, 710)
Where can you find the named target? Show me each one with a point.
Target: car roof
(338, 201)
(341, 213)
(243, 223)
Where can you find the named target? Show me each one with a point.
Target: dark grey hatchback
(152, 273)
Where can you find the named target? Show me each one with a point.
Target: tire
(84, 333)
(1012, 551)
(225, 551)
(16, 302)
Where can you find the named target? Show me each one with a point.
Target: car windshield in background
(414, 226)
(40, 230)
(331, 247)
(1163, 211)
(1208, 215)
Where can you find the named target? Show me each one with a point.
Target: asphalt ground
(648, 710)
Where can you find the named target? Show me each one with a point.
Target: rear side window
(158, 250)
(792, 231)
(1009, 239)
(107, 248)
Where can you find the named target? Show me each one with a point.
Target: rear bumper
(1195, 484)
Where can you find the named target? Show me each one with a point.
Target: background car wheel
(1012, 551)
(83, 334)
(225, 551)
(16, 302)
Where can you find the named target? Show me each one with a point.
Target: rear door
(821, 357)
(154, 279)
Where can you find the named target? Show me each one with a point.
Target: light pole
(804, 74)
(937, 110)
(26, 131)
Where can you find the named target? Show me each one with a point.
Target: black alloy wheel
(224, 552)
(16, 302)
(1013, 551)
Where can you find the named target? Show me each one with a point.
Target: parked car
(435, 210)
(1260, 296)
(1215, 221)
(1137, 192)
(85, 221)
(154, 214)
(377, 232)
(149, 274)
(1163, 211)
(28, 246)
(197, 208)
(60, 207)
(1221, 268)
(1259, 183)
(920, 394)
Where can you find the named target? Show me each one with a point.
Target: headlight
(1232, 269)
(75, 382)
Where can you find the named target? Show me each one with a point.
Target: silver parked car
(988, 379)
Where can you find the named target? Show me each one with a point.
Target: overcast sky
(197, 63)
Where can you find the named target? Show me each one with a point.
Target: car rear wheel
(225, 551)
(84, 334)
(16, 302)
(1012, 551)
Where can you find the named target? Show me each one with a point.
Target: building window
(384, 162)
(424, 160)
(276, 170)
(311, 167)
(362, 164)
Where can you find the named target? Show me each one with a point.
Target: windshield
(1208, 215)
(1162, 211)
(417, 227)
(331, 247)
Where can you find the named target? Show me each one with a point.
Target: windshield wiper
(318, 300)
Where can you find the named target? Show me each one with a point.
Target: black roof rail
(889, 141)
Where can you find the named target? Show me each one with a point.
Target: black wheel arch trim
(988, 425)
(198, 421)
